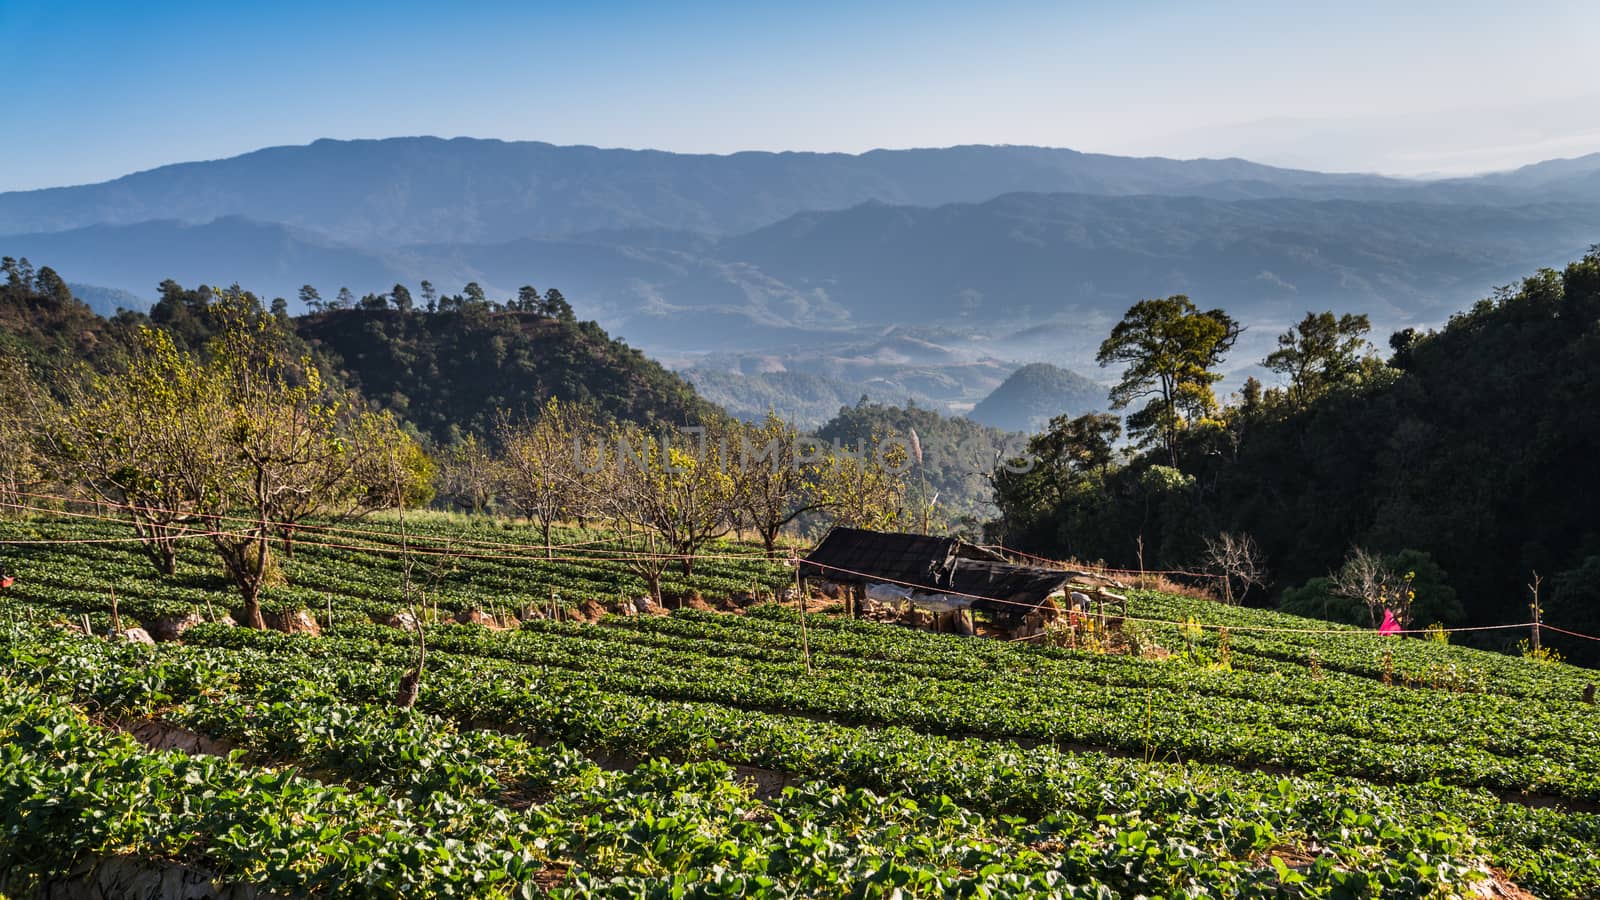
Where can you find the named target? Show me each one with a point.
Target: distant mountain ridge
(426, 189)
(756, 253)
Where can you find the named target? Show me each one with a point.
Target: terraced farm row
(697, 754)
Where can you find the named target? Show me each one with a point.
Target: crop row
(687, 827)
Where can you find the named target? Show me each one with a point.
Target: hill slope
(1036, 393)
(451, 373)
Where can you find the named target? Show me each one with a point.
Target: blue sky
(99, 89)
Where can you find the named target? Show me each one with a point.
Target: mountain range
(998, 254)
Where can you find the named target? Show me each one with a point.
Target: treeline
(450, 364)
(670, 491)
(1462, 457)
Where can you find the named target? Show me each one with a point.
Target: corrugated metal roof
(935, 564)
(1004, 582)
(896, 557)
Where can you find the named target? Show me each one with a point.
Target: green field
(697, 754)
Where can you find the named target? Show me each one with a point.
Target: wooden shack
(945, 577)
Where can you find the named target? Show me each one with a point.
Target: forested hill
(1035, 394)
(448, 369)
(451, 372)
(1475, 445)
(41, 322)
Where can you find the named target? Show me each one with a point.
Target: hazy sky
(98, 89)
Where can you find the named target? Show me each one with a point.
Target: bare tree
(1237, 560)
(1368, 578)
(469, 475)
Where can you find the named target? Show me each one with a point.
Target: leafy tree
(1320, 353)
(528, 299)
(773, 484)
(344, 300)
(401, 297)
(150, 440)
(310, 299)
(49, 285)
(470, 476)
(1068, 460)
(556, 306)
(27, 413)
(681, 487)
(539, 463)
(296, 446)
(1409, 583)
(430, 297)
(1169, 348)
(864, 487)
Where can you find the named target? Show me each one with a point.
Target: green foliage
(1434, 601)
(452, 373)
(1169, 348)
(957, 453)
(1321, 353)
(997, 809)
(1475, 449)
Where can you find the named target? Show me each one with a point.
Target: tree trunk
(252, 606)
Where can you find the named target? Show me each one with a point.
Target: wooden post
(805, 640)
(1538, 611)
(116, 619)
(329, 599)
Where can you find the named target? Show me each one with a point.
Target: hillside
(1017, 263)
(43, 324)
(958, 454)
(1043, 257)
(451, 373)
(1471, 446)
(1035, 394)
(1237, 753)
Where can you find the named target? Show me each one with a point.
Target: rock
(694, 600)
(294, 621)
(622, 606)
(402, 620)
(592, 610)
(171, 628)
(476, 617)
(137, 636)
